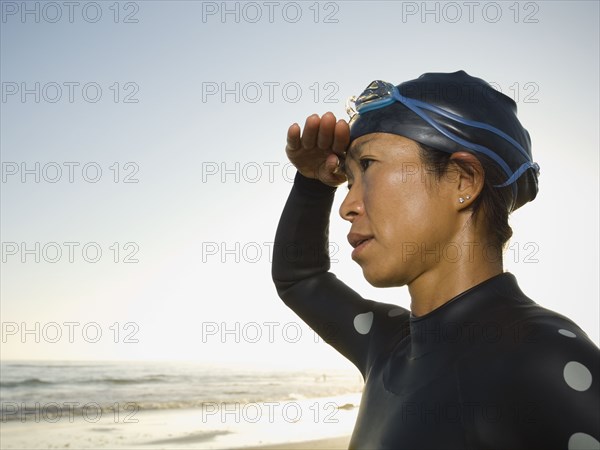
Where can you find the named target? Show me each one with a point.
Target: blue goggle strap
(417, 106)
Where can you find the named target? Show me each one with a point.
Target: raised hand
(317, 153)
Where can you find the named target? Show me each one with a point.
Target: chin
(380, 279)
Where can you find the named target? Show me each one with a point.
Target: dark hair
(493, 202)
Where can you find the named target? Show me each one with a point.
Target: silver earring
(468, 197)
(461, 200)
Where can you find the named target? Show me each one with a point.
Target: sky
(144, 172)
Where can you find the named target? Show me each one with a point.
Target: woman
(434, 167)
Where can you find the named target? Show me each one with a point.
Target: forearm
(301, 242)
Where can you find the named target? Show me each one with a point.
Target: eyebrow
(353, 154)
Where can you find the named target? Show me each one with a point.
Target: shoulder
(548, 335)
(556, 357)
(536, 344)
(520, 327)
(543, 373)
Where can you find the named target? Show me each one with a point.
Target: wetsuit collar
(466, 318)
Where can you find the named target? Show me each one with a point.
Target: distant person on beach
(434, 167)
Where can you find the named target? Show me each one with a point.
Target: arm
(358, 328)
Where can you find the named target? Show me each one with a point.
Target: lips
(358, 241)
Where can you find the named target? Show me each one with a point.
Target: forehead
(381, 142)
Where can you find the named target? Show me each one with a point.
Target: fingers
(341, 137)
(326, 129)
(317, 149)
(310, 132)
(320, 134)
(293, 137)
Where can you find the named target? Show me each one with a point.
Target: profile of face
(401, 216)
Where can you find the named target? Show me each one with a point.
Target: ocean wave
(145, 379)
(156, 387)
(26, 383)
(36, 382)
(50, 365)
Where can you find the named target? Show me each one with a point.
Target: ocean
(171, 405)
(28, 389)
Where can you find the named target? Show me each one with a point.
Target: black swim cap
(454, 112)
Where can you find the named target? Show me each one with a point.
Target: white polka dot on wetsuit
(363, 322)
(577, 376)
(583, 441)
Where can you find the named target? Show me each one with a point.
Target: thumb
(332, 163)
(333, 175)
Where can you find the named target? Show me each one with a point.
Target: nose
(352, 206)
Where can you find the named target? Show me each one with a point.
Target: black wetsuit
(490, 369)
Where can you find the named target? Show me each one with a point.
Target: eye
(365, 163)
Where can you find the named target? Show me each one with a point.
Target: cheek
(400, 209)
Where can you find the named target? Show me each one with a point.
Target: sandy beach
(302, 424)
(340, 443)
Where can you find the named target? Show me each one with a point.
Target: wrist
(312, 186)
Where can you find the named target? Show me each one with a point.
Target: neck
(450, 277)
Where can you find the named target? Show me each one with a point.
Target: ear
(469, 178)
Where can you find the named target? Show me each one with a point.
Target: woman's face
(402, 217)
